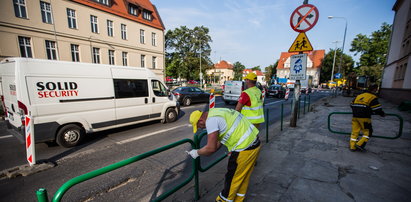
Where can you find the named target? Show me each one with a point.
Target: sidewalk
(309, 163)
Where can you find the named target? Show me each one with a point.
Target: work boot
(360, 148)
(353, 150)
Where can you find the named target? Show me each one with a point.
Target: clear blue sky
(255, 32)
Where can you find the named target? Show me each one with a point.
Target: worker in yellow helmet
(250, 103)
(232, 129)
(363, 106)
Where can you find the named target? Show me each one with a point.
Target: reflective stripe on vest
(255, 112)
(240, 133)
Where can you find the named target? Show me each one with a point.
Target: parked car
(192, 82)
(188, 95)
(276, 91)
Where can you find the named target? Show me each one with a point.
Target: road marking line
(271, 103)
(150, 134)
(7, 136)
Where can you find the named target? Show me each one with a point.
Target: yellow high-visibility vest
(240, 133)
(255, 112)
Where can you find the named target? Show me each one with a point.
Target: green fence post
(305, 99)
(196, 165)
(309, 102)
(267, 122)
(292, 105)
(42, 195)
(282, 112)
(298, 110)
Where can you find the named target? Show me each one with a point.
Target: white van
(68, 99)
(232, 91)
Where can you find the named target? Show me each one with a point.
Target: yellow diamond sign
(301, 43)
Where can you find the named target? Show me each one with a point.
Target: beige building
(314, 60)
(396, 79)
(117, 32)
(222, 70)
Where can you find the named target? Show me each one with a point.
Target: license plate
(271, 93)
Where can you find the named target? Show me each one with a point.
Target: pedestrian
(363, 106)
(250, 103)
(232, 129)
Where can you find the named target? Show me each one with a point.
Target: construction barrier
(287, 93)
(30, 144)
(349, 133)
(212, 101)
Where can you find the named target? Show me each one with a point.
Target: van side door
(132, 100)
(159, 98)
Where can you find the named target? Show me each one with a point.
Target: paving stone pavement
(309, 163)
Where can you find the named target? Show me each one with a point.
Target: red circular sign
(304, 18)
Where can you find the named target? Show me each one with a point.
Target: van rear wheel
(70, 135)
(171, 115)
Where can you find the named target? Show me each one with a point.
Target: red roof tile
(258, 72)
(223, 65)
(316, 56)
(120, 8)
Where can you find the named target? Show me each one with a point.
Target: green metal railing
(42, 193)
(349, 133)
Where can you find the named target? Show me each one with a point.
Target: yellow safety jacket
(365, 104)
(255, 112)
(240, 133)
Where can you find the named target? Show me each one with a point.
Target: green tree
(183, 49)
(327, 64)
(270, 71)
(256, 68)
(373, 50)
(238, 69)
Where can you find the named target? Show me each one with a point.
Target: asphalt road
(140, 181)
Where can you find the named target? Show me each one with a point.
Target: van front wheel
(171, 115)
(70, 135)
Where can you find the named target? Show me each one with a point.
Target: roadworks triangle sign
(301, 43)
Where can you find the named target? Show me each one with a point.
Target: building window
(104, 2)
(154, 62)
(75, 54)
(147, 15)
(51, 50)
(143, 61)
(124, 31)
(46, 12)
(71, 17)
(20, 8)
(25, 47)
(111, 57)
(124, 56)
(96, 55)
(400, 72)
(133, 10)
(109, 28)
(93, 21)
(142, 36)
(153, 39)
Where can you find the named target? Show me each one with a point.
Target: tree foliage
(327, 64)
(373, 51)
(256, 68)
(238, 69)
(183, 49)
(270, 71)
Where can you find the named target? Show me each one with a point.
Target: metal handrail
(377, 136)
(197, 140)
(42, 193)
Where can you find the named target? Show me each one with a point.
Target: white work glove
(193, 153)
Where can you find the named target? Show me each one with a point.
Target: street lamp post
(335, 51)
(345, 32)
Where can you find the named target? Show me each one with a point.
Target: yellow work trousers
(239, 169)
(358, 125)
